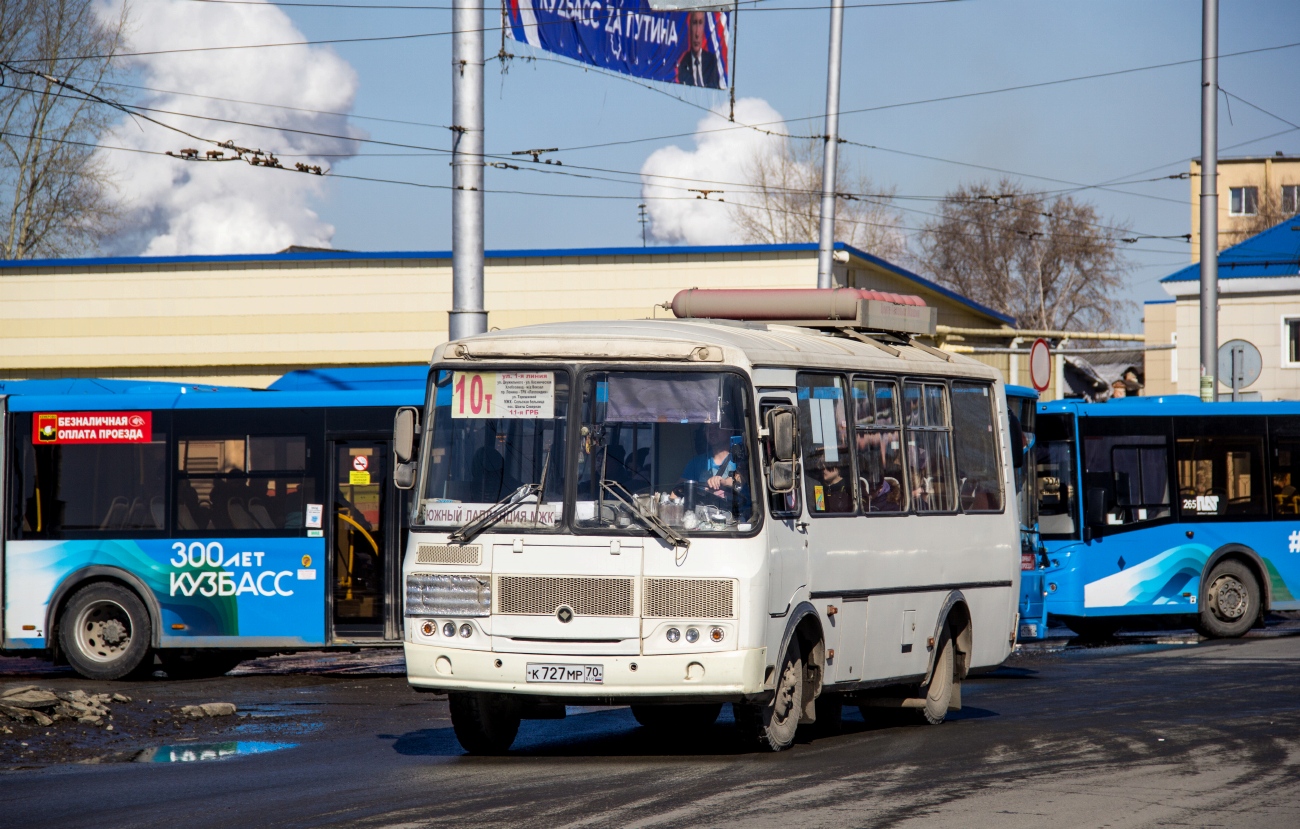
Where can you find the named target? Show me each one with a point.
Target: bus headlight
(435, 594)
(673, 634)
(692, 635)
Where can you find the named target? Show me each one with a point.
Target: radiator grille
(449, 554)
(689, 598)
(543, 595)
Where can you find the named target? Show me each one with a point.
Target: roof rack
(847, 312)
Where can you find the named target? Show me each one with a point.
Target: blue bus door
(365, 535)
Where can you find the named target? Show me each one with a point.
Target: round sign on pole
(1040, 364)
(1241, 360)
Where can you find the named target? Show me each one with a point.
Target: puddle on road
(199, 752)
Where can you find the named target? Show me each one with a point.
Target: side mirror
(406, 425)
(780, 477)
(781, 426)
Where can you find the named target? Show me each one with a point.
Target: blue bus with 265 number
(1168, 511)
(196, 525)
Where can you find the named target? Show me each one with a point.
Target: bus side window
(1221, 467)
(929, 447)
(229, 478)
(878, 444)
(823, 429)
(1284, 433)
(90, 488)
(1126, 475)
(979, 482)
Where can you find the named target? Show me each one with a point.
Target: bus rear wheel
(772, 726)
(1229, 601)
(680, 718)
(104, 632)
(484, 723)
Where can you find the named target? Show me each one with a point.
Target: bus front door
(363, 544)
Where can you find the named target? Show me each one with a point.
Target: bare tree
(784, 202)
(56, 197)
(1050, 263)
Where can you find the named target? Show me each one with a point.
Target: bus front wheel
(773, 725)
(484, 723)
(1229, 601)
(104, 632)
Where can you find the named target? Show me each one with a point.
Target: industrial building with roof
(245, 320)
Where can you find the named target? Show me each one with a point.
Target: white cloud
(174, 207)
(721, 154)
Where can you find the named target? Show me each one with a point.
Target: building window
(1291, 199)
(1291, 341)
(1244, 201)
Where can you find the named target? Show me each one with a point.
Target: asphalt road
(1135, 735)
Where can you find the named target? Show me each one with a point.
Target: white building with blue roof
(245, 320)
(1259, 301)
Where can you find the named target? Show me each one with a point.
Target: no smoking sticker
(361, 463)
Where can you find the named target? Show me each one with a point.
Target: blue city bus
(193, 526)
(1166, 511)
(1022, 404)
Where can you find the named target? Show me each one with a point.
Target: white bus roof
(715, 342)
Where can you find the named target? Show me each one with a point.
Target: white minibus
(779, 500)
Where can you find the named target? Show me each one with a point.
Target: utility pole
(1209, 199)
(467, 315)
(826, 241)
(642, 219)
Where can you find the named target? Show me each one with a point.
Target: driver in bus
(716, 466)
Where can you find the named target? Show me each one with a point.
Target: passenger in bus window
(833, 493)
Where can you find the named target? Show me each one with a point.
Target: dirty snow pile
(45, 707)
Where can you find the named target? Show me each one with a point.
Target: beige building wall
(1159, 324)
(1255, 317)
(1269, 174)
(247, 322)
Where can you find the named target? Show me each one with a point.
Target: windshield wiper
(652, 522)
(506, 505)
(494, 514)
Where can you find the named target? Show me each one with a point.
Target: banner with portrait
(627, 36)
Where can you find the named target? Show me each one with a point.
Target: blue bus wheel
(1229, 602)
(104, 632)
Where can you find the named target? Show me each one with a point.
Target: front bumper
(732, 674)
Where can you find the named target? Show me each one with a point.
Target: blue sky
(1089, 132)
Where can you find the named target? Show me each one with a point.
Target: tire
(484, 723)
(938, 694)
(1230, 601)
(772, 726)
(105, 632)
(1094, 630)
(678, 718)
(201, 665)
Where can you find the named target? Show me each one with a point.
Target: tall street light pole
(1209, 199)
(826, 242)
(467, 315)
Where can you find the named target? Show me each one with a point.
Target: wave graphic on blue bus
(1172, 577)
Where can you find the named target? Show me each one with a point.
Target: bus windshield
(1055, 469)
(491, 432)
(672, 445)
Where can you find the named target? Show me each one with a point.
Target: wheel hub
(785, 695)
(113, 632)
(1229, 598)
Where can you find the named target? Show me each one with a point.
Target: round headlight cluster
(716, 634)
